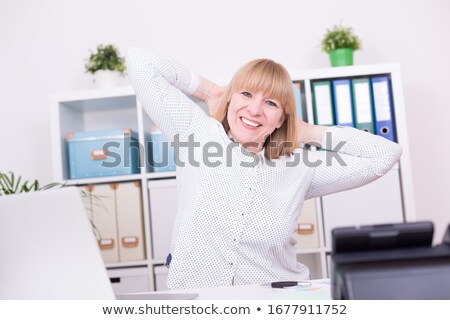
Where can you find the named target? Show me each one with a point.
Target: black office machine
(395, 261)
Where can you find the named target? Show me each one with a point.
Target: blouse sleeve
(351, 158)
(162, 86)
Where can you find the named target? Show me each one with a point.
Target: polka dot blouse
(237, 211)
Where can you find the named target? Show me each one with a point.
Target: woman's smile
(253, 116)
(249, 124)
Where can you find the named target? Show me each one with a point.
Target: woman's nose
(254, 107)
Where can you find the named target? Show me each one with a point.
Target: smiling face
(258, 109)
(252, 117)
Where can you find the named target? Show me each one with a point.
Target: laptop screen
(48, 249)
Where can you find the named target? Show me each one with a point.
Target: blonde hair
(273, 80)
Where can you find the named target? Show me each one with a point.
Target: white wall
(43, 45)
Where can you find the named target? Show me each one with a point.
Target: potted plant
(106, 65)
(340, 42)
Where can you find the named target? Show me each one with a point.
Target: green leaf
(15, 186)
(53, 185)
(105, 58)
(8, 181)
(339, 37)
(25, 188)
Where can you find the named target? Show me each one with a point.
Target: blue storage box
(160, 152)
(103, 153)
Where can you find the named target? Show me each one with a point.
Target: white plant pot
(106, 79)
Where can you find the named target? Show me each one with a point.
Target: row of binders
(363, 103)
(115, 211)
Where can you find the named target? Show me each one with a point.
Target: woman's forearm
(158, 82)
(350, 158)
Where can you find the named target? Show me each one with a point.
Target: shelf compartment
(89, 111)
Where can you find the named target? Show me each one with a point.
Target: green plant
(339, 37)
(10, 185)
(106, 58)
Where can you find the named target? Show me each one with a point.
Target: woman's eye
(247, 94)
(271, 103)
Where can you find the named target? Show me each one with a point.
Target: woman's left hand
(309, 133)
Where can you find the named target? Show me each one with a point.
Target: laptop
(48, 250)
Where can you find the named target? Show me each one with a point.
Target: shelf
(94, 94)
(76, 182)
(131, 177)
(310, 250)
(347, 71)
(126, 264)
(160, 175)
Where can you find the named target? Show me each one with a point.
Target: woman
(237, 214)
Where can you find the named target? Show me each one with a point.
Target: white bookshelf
(118, 108)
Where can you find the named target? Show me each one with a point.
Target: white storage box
(163, 209)
(306, 234)
(160, 273)
(129, 280)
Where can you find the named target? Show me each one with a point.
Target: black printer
(394, 261)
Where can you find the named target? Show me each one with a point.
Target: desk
(319, 290)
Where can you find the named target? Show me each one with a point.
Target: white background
(247, 309)
(44, 44)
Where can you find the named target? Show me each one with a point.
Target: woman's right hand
(214, 98)
(209, 92)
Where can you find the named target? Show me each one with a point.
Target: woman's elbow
(388, 161)
(398, 150)
(135, 60)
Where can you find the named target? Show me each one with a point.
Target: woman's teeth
(250, 123)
